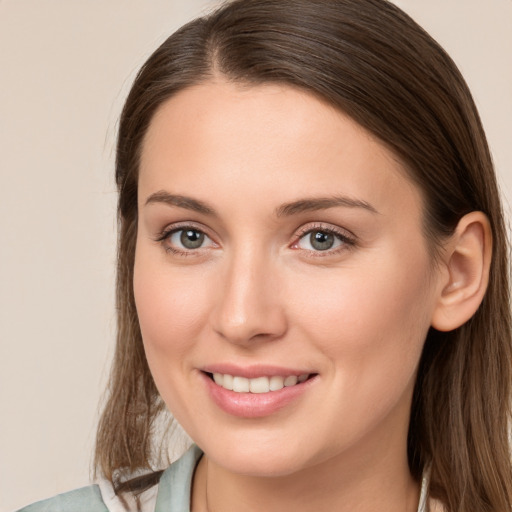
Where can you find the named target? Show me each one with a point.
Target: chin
(259, 459)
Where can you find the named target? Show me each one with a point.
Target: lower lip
(254, 405)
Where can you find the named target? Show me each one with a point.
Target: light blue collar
(176, 483)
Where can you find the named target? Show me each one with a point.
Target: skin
(257, 292)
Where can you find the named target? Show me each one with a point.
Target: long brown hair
(371, 61)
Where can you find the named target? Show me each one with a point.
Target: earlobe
(467, 260)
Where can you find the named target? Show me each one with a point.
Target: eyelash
(347, 241)
(165, 235)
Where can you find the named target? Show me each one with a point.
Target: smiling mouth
(259, 384)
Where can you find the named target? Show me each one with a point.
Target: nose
(249, 305)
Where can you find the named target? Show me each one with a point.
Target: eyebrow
(285, 210)
(181, 202)
(322, 203)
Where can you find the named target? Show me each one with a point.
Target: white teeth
(276, 383)
(291, 380)
(240, 384)
(228, 382)
(259, 384)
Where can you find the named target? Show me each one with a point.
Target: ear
(466, 259)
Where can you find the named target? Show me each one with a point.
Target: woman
(312, 274)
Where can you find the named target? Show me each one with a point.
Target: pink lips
(253, 405)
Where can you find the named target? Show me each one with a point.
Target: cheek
(372, 318)
(170, 309)
(370, 325)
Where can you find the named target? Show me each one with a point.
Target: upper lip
(253, 371)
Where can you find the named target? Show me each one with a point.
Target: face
(283, 284)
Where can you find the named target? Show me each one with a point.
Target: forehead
(253, 138)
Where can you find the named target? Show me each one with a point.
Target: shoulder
(171, 493)
(86, 499)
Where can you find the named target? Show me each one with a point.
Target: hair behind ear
(462, 399)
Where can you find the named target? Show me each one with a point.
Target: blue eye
(188, 238)
(322, 240)
(185, 240)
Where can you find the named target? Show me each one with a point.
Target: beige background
(65, 67)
